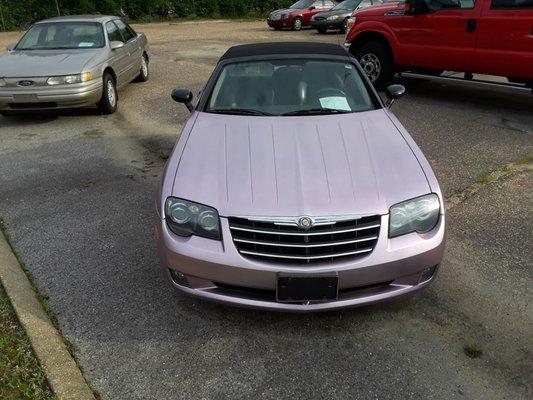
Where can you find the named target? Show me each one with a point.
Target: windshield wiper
(237, 111)
(316, 111)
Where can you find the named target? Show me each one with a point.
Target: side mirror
(184, 96)
(312, 8)
(115, 45)
(11, 47)
(394, 92)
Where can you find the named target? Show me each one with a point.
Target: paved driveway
(77, 193)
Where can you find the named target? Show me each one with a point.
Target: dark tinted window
(347, 5)
(435, 5)
(113, 33)
(512, 4)
(126, 31)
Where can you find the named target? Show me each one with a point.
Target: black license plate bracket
(301, 287)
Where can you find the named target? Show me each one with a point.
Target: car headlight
(69, 79)
(186, 218)
(416, 215)
(2, 82)
(333, 17)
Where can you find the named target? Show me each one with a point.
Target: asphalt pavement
(77, 196)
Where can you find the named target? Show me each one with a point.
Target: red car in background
(299, 14)
(493, 37)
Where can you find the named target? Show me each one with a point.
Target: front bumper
(279, 23)
(50, 97)
(325, 24)
(216, 271)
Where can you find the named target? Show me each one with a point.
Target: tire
(377, 62)
(321, 30)
(108, 103)
(144, 74)
(344, 26)
(297, 24)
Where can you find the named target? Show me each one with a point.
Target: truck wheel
(376, 61)
(296, 24)
(108, 104)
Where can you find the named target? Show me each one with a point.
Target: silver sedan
(73, 61)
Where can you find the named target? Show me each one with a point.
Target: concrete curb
(63, 374)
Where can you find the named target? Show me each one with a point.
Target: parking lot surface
(77, 197)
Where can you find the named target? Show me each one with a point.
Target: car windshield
(62, 35)
(302, 4)
(290, 87)
(347, 5)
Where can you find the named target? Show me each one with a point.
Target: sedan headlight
(416, 215)
(69, 79)
(186, 218)
(2, 82)
(333, 17)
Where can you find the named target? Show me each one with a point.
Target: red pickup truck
(493, 37)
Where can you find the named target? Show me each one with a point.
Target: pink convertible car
(294, 188)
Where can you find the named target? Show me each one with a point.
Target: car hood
(327, 14)
(44, 62)
(288, 166)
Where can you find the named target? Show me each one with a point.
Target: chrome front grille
(326, 241)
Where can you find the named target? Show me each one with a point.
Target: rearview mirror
(184, 96)
(394, 92)
(115, 45)
(11, 47)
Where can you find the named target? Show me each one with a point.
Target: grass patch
(473, 351)
(21, 376)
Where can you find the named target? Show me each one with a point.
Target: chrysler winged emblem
(306, 222)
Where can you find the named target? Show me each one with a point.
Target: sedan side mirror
(312, 8)
(184, 96)
(116, 44)
(394, 92)
(11, 47)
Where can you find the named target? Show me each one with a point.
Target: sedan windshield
(301, 4)
(62, 35)
(290, 87)
(347, 5)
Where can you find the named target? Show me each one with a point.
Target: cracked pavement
(77, 192)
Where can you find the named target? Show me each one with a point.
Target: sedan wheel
(145, 71)
(297, 24)
(108, 103)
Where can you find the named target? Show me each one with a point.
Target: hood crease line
(226, 161)
(372, 164)
(250, 163)
(275, 163)
(323, 161)
(347, 159)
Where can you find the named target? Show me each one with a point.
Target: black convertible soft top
(293, 48)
